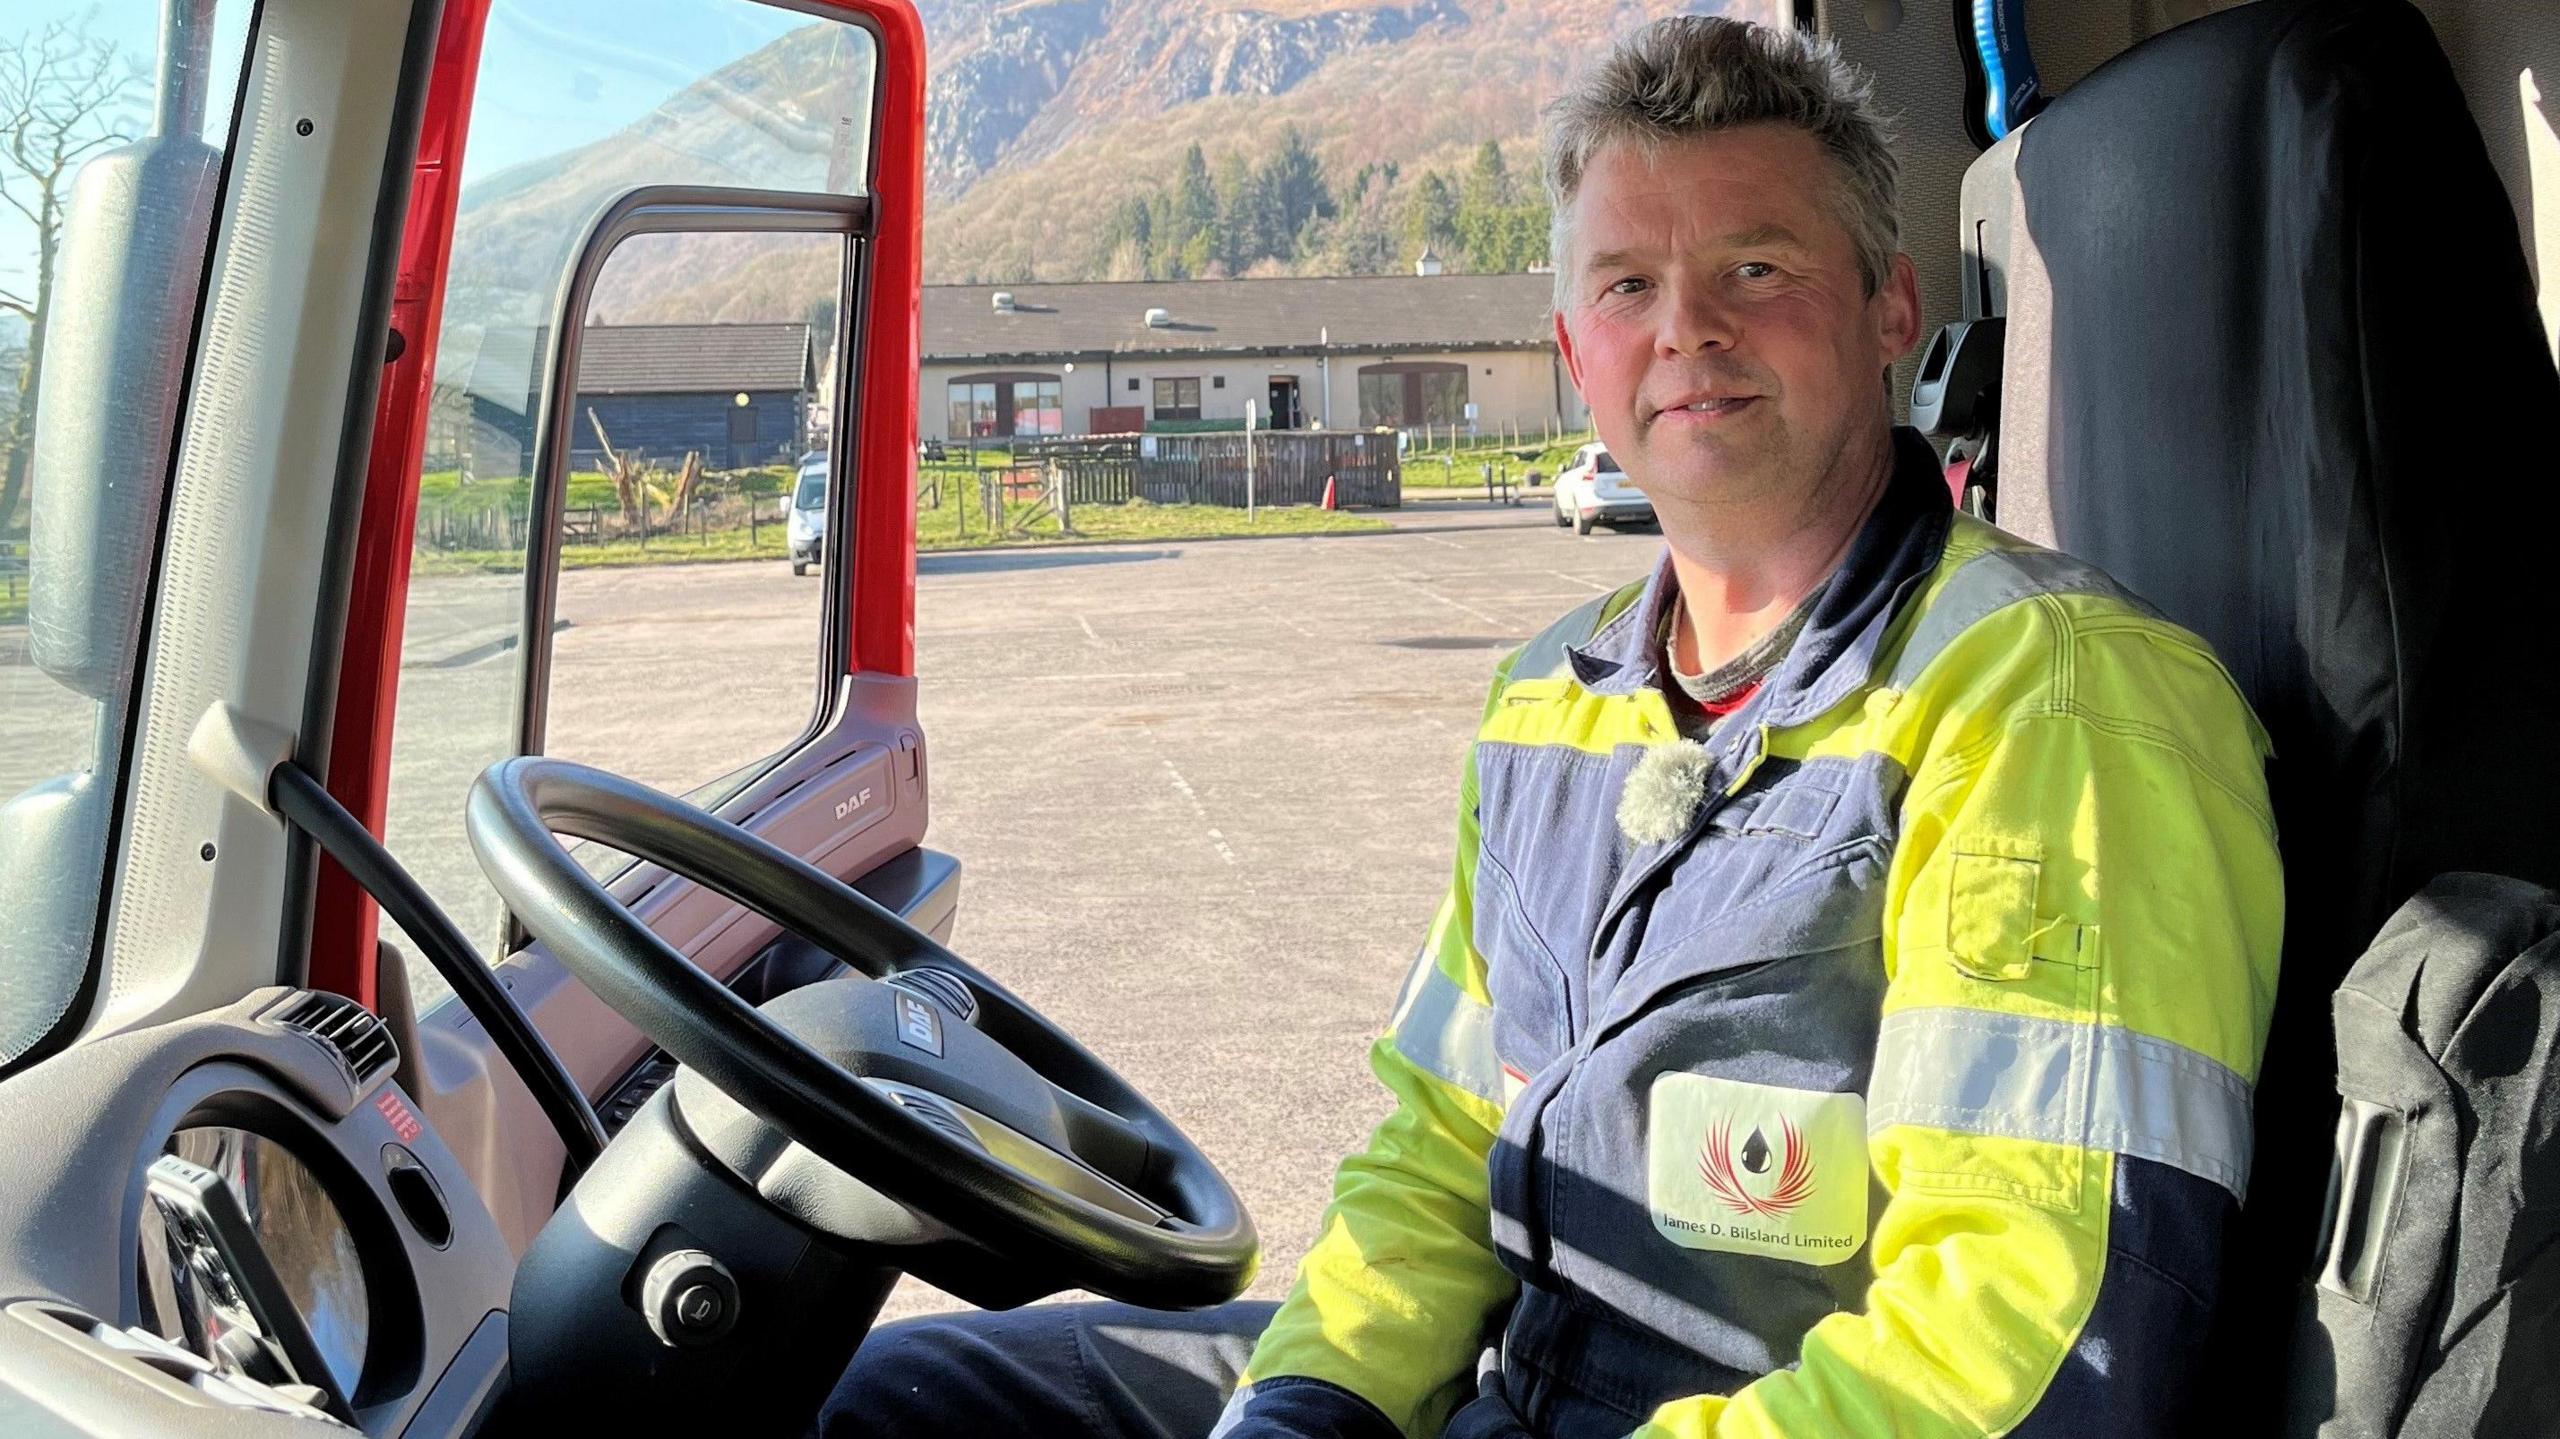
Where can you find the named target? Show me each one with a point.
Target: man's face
(1716, 322)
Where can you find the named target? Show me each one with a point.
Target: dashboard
(292, 1249)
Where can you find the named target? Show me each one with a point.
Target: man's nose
(1694, 321)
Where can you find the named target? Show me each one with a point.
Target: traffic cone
(1328, 492)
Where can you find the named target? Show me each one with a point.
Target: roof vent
(1428, 264)
(1159, 317)
(347, 1030)
(1004, 302)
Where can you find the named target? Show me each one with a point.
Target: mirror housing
(115, 359)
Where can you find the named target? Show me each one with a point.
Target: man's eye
(1755, 269)
(1628, 286)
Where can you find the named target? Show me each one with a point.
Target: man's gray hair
(1697, 74)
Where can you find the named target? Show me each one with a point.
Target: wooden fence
(502, 527)
(1289, 467)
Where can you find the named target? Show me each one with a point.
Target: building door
(1284, 403)
(742, 436)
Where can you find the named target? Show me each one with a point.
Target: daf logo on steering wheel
(918, 1025)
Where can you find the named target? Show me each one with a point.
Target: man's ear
(1898, 320)
(1564, 343)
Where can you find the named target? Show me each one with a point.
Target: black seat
(2272, 359)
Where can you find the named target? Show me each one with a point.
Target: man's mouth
(1706, 408)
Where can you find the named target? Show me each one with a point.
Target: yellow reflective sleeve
(1393, 1300)
(2082, 926)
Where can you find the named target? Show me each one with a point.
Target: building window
(973, 410)
(1217, 382)
(1403, 394)
(1133, 384)
(1178, 399)
(1037, 410)
(994, 407)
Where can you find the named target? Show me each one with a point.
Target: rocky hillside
(1044, 117)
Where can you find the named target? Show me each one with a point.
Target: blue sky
(555, 74)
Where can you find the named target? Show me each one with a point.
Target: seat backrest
(2273, 360)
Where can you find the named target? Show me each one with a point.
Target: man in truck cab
(1843, 1016)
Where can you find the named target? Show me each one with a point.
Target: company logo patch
(1756, 1169)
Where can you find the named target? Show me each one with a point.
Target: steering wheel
(918, 1077)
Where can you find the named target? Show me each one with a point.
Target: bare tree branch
(64, 97)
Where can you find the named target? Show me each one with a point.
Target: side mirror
(115, 356)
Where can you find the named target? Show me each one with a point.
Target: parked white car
(1593, 490)
(809, 514)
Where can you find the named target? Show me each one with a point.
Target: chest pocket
(1764, 877)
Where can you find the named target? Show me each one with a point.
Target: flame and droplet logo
(1718, 1156)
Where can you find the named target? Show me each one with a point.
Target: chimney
(1004, 302)
(1429, 264)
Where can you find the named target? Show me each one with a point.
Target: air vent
(1158, 318)
(346, 1029)
(1004, 302)
(939, 1117)
(943, 988)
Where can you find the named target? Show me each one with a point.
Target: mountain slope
(1046, 116)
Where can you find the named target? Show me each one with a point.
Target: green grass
(940, 529)
(711, 548)
(1424, 470)
(935, 530)
(442, 491)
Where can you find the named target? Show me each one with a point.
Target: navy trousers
(1048, 1369)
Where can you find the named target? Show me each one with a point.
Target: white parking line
(1494, 620)
(1579, 580)
(1202, 810)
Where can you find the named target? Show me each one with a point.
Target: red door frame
(883, 552)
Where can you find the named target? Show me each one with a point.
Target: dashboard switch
(689, 1299)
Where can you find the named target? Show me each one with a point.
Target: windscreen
(112, 132)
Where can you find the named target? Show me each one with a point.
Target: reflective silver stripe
(2093, 1086)
(1446, 1032)
(1987, 584)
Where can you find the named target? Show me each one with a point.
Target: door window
(673, 541)
(669, 662)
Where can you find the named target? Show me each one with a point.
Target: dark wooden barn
(739, 394)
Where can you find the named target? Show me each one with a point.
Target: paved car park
(1206, 799)
(1204, 793)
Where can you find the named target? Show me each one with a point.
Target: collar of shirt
(1837, 650)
